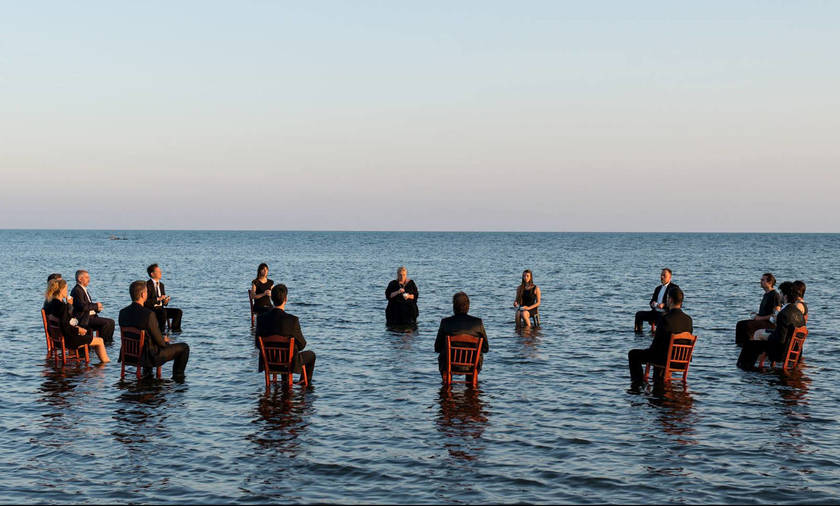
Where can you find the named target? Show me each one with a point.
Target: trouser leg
(750, 352)
(175, 314)
(307, 360)
(635, 359)
(644, 317)
(160, 313)
(105, 327)
(745, 329)
(179, 353)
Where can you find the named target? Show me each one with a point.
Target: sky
(468, 115)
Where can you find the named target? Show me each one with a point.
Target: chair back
(794, 352)
(46, 331)
(680, 350)
(54, 333)
(277, 353)
(464, 351)
(133, 340)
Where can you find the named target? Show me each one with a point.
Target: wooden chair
(278, 353)
(132, 342)
(47, 333)
(679, 354)
(464, 354)
(251, 301)
(57, 350)
(794, 351)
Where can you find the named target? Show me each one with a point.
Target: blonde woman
(528, 299)
(402, 300)
(74, 335)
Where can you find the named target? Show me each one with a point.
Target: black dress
(528, 297)
(262, 304)
(400, 310)
(61, 310)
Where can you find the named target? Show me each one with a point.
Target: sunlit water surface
(551, 421)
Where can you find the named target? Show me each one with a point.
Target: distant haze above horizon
(532, 116)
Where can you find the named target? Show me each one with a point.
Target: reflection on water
(530, 338)
(280, 420)
(141, 411)
(675, 410)
(462, 419)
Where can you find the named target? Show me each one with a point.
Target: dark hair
(150, 269)
(53, 276)
(676, 296)
(527, 271)
(669, 271)
(279, 294)
(79, 273)
(136, 290)
(790, 291)
(770, 278)
(460, 303)
(801, 285)
(260, 268)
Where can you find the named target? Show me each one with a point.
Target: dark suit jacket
(82, 305)
(138, 316)
(151, 294)
(788, 319)
(672, 322)
(655, 296)
(455, 325)
(277, 322)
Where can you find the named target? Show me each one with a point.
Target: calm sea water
(552, 420)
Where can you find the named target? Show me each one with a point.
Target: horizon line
(500, 231)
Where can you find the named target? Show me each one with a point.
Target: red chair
(251, 301)
(278, 353)
(679, 354)
(464, 354)
(47, 333)
(794, 351)
(57, 350)
(132, 342)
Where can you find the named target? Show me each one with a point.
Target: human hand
(82, 331)
(99, 306)
(69, 299)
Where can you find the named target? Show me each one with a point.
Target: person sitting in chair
(157, 349)
(277, 322)
(771, 302)
(158, 301)
(657, 301)
(528, 299)
(674, 321)
(775, 343)
(87, 311)
(459, 324)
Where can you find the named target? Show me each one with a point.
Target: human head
(460, 303)
(53, 276)
(56, 289)
(527, 277)
(137, 291)
(665, 276)
(768, 281)
(279, 294)
(801, 286)
(154, 272)
(82, 277)
(675, 298)
(262, 270)
(790, 292)
(402, 274)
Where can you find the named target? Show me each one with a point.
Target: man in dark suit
(672, 322)
(277, 322)
(157, 349)
(657, 301)
(458, 324)
(777, 342)
(771, 302)
(87, 311)
(158, 301)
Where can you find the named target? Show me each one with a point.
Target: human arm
(153, 331)
(411, 290)
(393, 290)
(300, 341)
(485, 347)
(440, 340)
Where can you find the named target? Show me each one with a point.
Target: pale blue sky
(608, 116)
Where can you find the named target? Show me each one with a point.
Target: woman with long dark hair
(261, 290)
(528, 299)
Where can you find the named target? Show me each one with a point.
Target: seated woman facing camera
(402, 300)
(775, 342)
(528, 300)
(74, 335)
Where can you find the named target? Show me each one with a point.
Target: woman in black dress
(528, 299)
(74, 336)
(261, 290)
(402, 300)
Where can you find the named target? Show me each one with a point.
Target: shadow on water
(280, 420)
(675, 410)
(462, 420)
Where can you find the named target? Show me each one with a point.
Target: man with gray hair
(87, 311)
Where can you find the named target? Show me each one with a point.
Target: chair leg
(158, 372)
(647, 372)
(267, 380)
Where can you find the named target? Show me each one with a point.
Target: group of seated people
(78, 318)
(767, 333)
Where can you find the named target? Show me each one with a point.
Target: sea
(552, 420)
